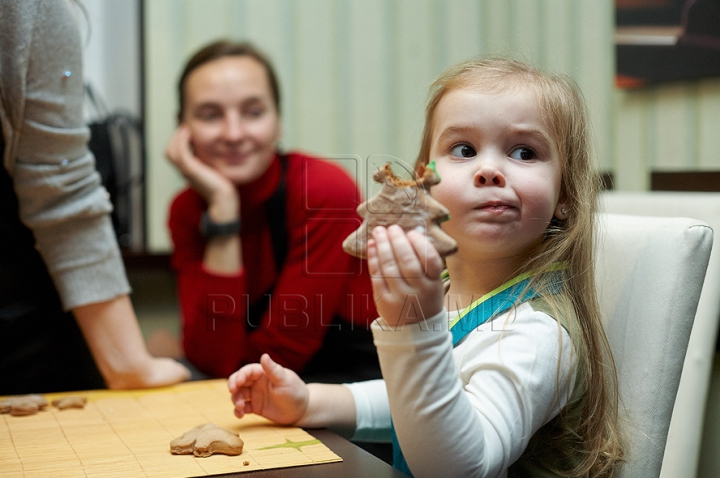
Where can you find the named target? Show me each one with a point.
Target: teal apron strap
(399, 462)
(492, 304)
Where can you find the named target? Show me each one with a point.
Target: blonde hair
(585, 438)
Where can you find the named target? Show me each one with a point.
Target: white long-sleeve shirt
(471, 410)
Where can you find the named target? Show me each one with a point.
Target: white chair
(683, 449)
(650, 273)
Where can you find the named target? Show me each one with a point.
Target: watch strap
(209, 229)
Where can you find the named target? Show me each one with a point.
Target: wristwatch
(209, 229)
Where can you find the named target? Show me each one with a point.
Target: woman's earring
(563, 211)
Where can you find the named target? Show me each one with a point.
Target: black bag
(116, 141)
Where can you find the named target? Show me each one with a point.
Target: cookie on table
(22, 405)
(205, 440)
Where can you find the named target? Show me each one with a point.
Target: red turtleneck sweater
(319, 280)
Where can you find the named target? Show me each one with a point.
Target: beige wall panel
(595, 66)
(497, 26)
(367, 67)
(416, 59)
(460, 31)
(268, 23)
(629, 157)
(558, 43)
(164, 54)
(315, 77)
(524, 30)
(205, 21)
(673, 123)
(708, 121)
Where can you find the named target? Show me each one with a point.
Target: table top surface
(356, 463)
(128, 433)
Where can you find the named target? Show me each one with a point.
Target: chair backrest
(683, 455)
(650, 272)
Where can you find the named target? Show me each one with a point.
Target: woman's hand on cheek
(212, 185)
(405, 271)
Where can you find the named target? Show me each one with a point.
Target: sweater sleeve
(59, 192)
(479, 423)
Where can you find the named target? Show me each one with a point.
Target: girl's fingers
(273, 370)
(379, 285)
(386, 264)
(428, 255)
(405, 254)
(401, 260)
(241, 383)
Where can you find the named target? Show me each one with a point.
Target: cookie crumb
(246, 463)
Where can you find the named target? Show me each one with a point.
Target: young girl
(498, 366)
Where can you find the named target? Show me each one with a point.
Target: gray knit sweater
(59, 192)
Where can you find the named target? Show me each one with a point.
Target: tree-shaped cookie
(205, 440)
(407, 203)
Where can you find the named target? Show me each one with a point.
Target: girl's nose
(489, 175)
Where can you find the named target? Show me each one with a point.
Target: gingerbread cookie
(69, 402)
(406, 203)
(23, 405)
(205, 440)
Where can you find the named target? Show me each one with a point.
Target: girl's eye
(523, 154)
(463, 151)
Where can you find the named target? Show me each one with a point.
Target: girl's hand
(405, 271)
(269, 390)
(213, 186)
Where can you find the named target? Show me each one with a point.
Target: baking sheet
(128, 433)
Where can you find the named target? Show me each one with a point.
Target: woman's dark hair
(221, 49)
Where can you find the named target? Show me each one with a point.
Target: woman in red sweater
(257, 235)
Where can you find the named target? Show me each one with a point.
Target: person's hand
(213, 186)
(113, 335)
(405, 270)
(269, 390)
(156, 372)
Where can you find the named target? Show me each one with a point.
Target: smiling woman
(232, 117)
(280, 282)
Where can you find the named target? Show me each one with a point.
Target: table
(127, 433)
(357, 463)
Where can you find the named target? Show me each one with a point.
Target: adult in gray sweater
(65, 313)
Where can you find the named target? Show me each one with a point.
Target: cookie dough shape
(407, 203)
(23, 405)
(205, 440)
